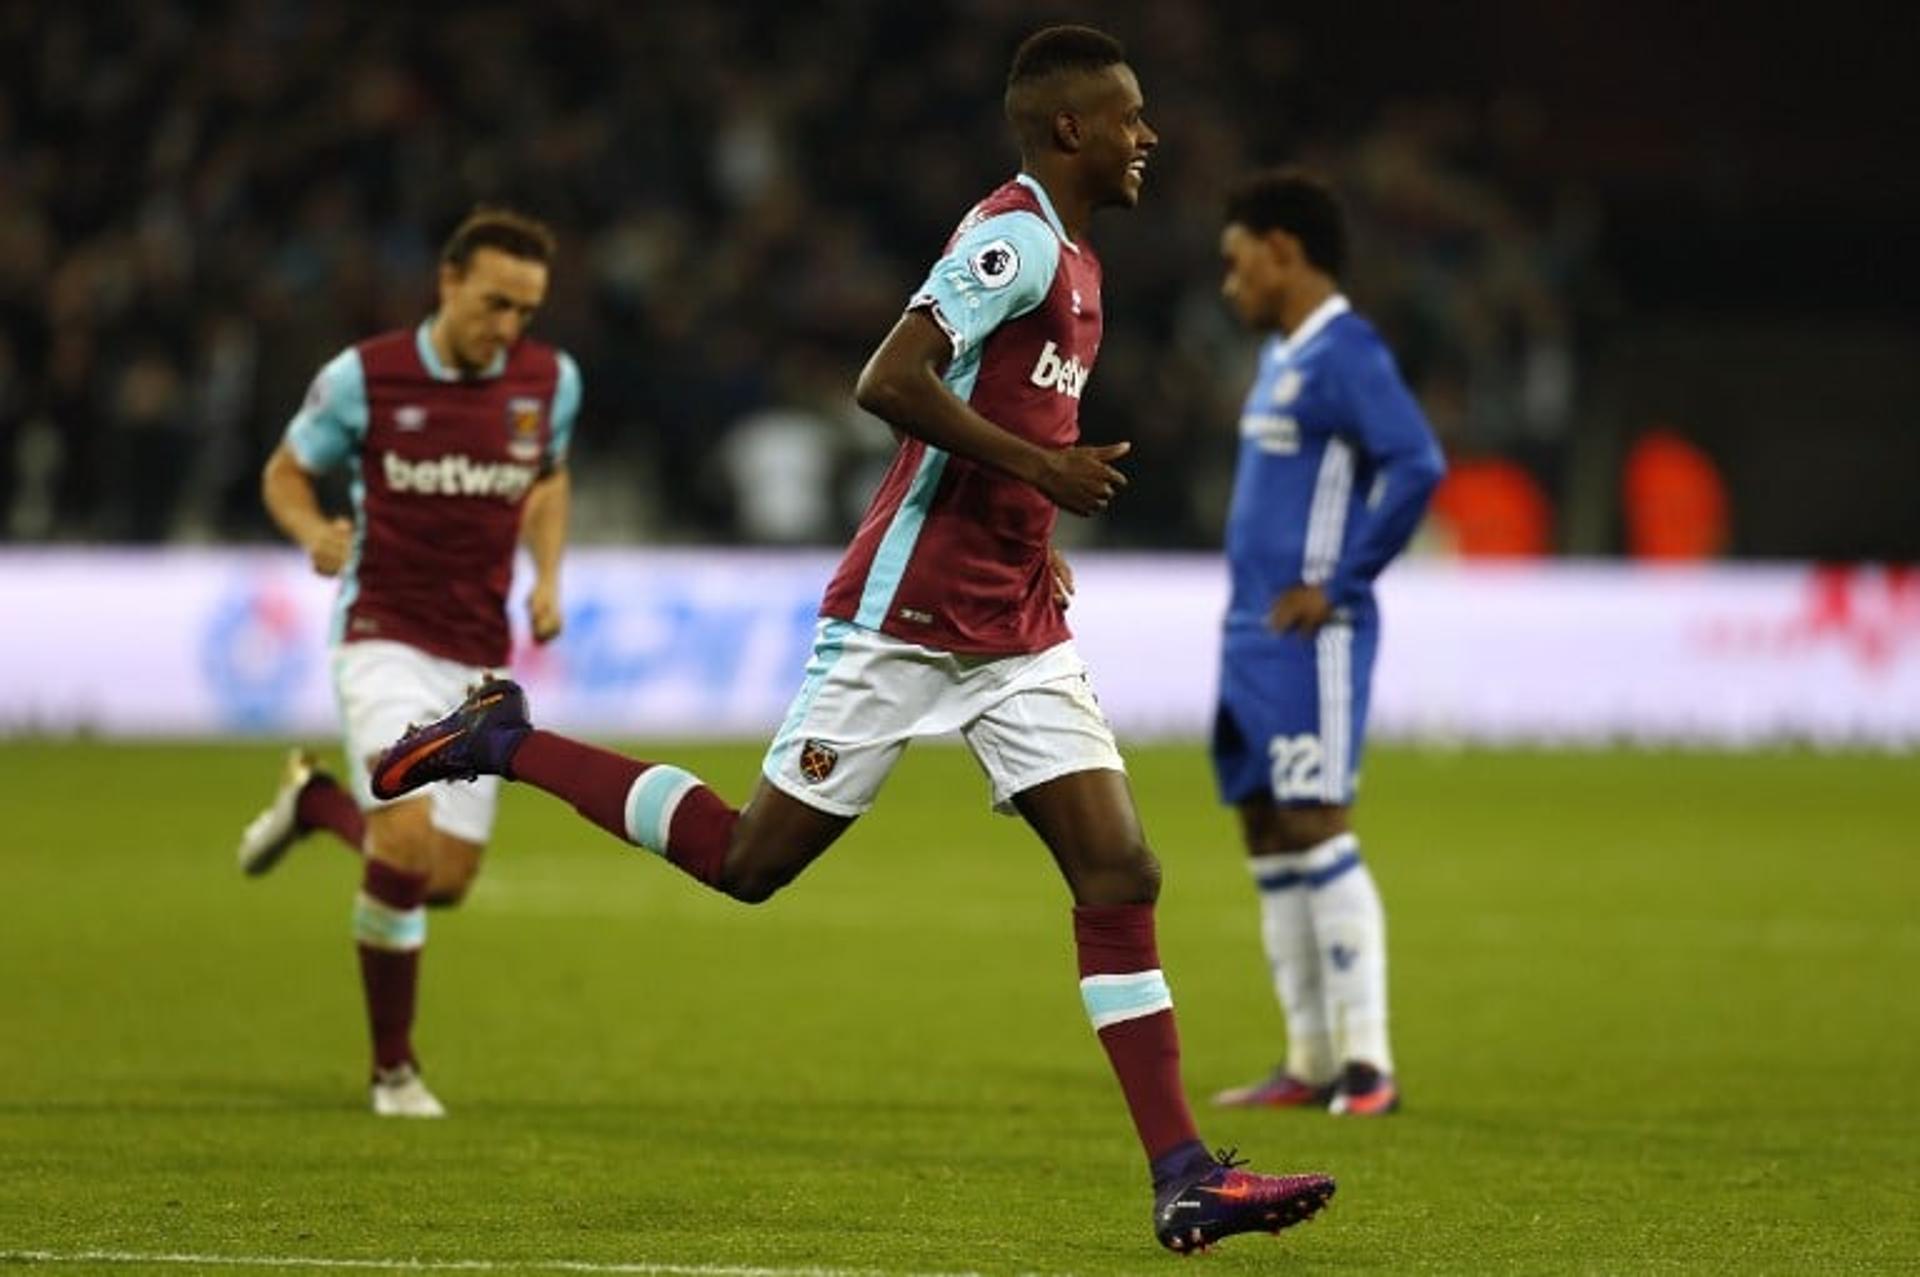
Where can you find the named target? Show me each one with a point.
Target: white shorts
(1028, 719)
(382, 687)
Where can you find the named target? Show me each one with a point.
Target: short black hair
(1298, 202)
(490, 226)
(1053, 49)
(1041, 55)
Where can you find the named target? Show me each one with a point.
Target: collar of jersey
(1046, 206)
(423, 342)
(1323, 314)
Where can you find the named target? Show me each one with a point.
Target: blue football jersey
(1336, 465)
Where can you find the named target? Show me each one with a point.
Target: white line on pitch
(440, 1265)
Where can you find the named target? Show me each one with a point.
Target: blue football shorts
(1292, 716)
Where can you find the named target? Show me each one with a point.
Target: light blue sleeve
(997, 270)
(567, 391)
(332, 422)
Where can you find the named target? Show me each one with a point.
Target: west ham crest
(817, 760)
(523, 428)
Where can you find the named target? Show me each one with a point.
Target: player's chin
(1127, 193)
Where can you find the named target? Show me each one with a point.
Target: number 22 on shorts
(1297, 763)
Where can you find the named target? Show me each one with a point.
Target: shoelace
(1228, 1158)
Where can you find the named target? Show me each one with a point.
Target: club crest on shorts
(523, 428)
(817, 760)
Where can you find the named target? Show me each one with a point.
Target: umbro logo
(1342, 956)
(409, 417)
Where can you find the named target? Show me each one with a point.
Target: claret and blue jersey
(952, 554)
(440, 467)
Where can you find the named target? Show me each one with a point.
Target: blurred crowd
(200, 203)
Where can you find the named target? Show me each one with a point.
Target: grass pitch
(1654, 1013)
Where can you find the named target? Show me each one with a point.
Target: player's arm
(543, 522)
(996, 271)
(901, 385)
(543, 529)
(288, 492)
(1393, 434)
(324, 433)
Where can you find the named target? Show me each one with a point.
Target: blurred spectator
(1673, 499)
(200, 200)
(1491, 508)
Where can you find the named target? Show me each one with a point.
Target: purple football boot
(476, 739)
(1220, 1200)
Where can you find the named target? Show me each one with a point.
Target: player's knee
(751, 882)
(447, 888)
(749, 887)
(1131, 878)
(403, 846)
(1144, 876)
(1303, 828)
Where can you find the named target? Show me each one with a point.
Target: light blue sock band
(381, 926)
(651, 804)
(1111, 999)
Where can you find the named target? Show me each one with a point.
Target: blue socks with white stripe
(1326, 940)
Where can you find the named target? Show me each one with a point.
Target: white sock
(1351, 929)
(1286, 929)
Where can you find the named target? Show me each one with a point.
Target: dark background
(1573, 222)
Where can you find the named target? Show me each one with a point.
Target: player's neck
(1301, 303)
(1074, 210)
(442, 342)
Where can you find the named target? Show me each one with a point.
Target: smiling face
(485, 308)
(1115, 138)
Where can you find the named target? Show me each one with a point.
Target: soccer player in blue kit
(1335, 469)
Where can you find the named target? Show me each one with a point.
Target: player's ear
(1285, 249)
(1066, 132)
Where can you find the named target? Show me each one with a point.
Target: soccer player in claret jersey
(1336, 466)
(455, 436)
(946, 615)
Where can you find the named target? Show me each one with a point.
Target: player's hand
(1302, 609)
(1062, 573)
(543, 611)
(1079, 480)
(330, 547)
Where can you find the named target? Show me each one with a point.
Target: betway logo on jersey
(455, 475)
(1067, 376)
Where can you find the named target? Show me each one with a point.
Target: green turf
(1654, 1013)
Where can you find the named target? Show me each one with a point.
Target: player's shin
(1293, 957)
(389, 929)
(324, 804)
(1131, 1007)
(655, 806)
(1351, 928)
